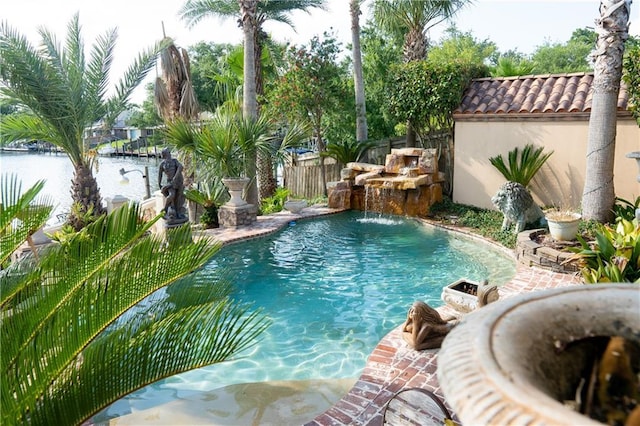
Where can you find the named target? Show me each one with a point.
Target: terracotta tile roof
(546, 94)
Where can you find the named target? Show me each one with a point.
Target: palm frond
(521, 166)
(193, 11)
(65, 353)
(20, 215)
(161, 98)
(181, 135)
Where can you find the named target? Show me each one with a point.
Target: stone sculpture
(425, 328)
(486, 293)
(174, 189)
(517, 206)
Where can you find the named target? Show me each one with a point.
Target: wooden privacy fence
(305, 181)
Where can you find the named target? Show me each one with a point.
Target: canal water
(57, 172)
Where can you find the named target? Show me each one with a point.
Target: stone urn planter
(295, 206)
(461, 295)
(517, 360)
(563, 225)
(235, 186)
(465, 295)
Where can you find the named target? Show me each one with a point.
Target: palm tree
(361, 109)
(63, 93)
(598, 196)
(174, 95)
(71, 342)
(251, 13)
(411, 19)
(248, 15)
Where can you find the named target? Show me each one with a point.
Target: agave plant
(522, 165)
(71, 342)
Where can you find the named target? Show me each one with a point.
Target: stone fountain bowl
(513, 362)
(295, 206)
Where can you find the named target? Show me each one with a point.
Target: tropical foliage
(84, 325)
(508, 66)
(626, 209)
(348, 150)
(521, 166)
(410, 20)
(228, 142)
(62, 92)
(614, 256)
(358, 79)
(275, 203)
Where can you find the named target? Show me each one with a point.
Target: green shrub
(275, 203)
(487, 223)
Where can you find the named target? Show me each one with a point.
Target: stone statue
(425, 328)
(174, 189)
(486, 293)
(517, 206)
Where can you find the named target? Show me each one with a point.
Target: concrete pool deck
(391, 367)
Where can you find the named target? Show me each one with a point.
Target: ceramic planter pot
(461, 295)
(512, 362)
(236, 186)
(295, 206)
(565, 228)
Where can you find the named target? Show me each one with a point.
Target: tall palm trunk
(249, 98)
(321, 148)
(598, 196)
(358, 80)
(267, 183)
(86, 197)
(414, 49)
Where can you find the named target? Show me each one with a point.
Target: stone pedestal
(231, 216)
(115, 202)
(167, 225)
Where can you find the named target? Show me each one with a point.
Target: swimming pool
(333, 287)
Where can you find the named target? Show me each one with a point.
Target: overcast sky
(511, 24)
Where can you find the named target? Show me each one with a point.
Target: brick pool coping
(392, 366)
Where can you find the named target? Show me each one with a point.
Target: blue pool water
(333, 286)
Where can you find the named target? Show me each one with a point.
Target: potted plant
(228, 144)
(563, 223)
